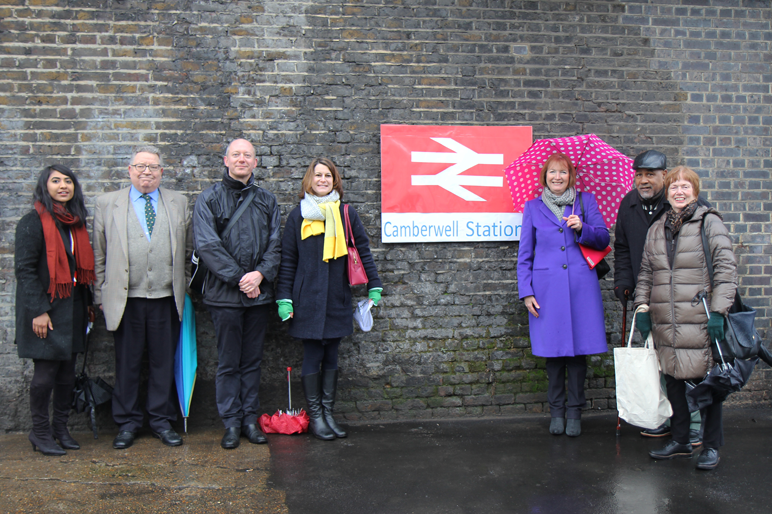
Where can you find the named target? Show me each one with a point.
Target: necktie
(149, 214)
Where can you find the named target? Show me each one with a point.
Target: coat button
(563, 248)
(560, 230)
(565, 266)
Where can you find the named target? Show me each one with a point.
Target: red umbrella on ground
(291, 421)
(600, 170)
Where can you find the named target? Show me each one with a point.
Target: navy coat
(320, 292)
(550, 267)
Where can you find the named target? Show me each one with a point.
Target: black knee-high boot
(41, 437)
(312, 389)
(329, 391)
(62, 406)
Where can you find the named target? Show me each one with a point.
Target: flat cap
(650, 160)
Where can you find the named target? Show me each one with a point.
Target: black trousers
(240, 334)
(713, 436)
(556, 394)
(153, 324)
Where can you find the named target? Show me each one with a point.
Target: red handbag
(356, 272)
(593, 256)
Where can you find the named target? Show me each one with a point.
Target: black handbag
(741, 339)
(198, 268)
(603, 267)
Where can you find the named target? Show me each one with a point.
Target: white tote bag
(640, 398)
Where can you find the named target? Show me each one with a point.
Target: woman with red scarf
(54, 267)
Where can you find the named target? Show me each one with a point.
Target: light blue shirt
(139, 206)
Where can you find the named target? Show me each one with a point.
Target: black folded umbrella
(89, 393)
(725, 377)
(722, 380)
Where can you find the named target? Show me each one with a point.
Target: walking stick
(624, 328)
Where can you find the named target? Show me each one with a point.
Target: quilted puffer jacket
(670, 280)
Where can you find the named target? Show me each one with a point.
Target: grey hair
(148, 149)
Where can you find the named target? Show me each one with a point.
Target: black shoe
(672, 450)
(254, 434)
(660, 431)
(695, 438)
(708, 459)
(123, 440)
(46, 445)
(65, 439)
(231, 439)
(169, 437)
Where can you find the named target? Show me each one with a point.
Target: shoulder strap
(349, 233)
(581, 203)
(240, 210)
(706, 249)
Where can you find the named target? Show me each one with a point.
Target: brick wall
(85, 81)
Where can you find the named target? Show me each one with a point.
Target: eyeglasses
(676, 187)
(152, 167)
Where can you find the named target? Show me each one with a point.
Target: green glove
(285, 309)
(375, 295)
(643, 322)
(716, 327)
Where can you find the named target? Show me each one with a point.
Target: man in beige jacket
(142, 246)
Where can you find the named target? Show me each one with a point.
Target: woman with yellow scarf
(313, 289)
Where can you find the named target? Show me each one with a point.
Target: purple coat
(550, 266)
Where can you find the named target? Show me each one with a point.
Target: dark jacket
(251, 245)
(32, 299)
(669, 283)
(320, 292)
(630, 235)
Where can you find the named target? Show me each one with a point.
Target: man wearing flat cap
(638, 211)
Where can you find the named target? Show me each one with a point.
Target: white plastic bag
(640, 398)
(363, 315)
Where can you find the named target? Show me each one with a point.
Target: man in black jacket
(638, 211)
(242, 264)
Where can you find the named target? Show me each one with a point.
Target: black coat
(320, 292)
(32, 298)
(630, 235)
(251, 245)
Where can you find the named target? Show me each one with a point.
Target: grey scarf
(309, 206)
(556, 203)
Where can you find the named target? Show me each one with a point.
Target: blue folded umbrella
(186, 359)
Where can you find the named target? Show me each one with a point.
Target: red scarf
(56, 255)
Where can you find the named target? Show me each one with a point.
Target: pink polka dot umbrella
(600, 170)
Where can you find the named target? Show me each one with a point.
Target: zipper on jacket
(674, 243)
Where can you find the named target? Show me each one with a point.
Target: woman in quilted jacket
(673, 274)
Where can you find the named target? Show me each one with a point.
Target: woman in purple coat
(561, 292)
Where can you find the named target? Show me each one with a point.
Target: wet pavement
(430, 466)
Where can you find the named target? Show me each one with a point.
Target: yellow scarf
(331, 227)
